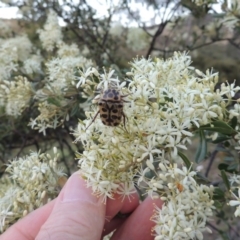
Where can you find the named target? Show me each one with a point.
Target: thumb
(77, 214)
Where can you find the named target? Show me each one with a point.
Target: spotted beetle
(110, 105)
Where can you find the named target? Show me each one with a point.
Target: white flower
(236, 202)
(234, 180)
(107, 80)
(150, 149)
(85, 76)
(4, 214)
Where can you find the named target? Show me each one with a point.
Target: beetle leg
(92, 120)
(123, 96)
(124, 121)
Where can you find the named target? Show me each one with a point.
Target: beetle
(110, 105)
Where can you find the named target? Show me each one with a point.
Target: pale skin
(77, 214)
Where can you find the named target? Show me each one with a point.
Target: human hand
(77, 214)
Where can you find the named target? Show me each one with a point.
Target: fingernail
(76, 190)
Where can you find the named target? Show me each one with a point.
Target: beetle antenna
(92, 120)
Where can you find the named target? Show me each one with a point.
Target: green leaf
(202, 147)
(223, 166)
(225, 179)
(220, 127)
(218, 204)
(226, 167)
(221, 148)
(218, 194)
(54, 101)
(201, 179)
(227, 144)
(224, 236)
(228, 159)
(233, 123)
(74, 110)
(83, 99)
(221, 138)
(234, 167)
(185, 160)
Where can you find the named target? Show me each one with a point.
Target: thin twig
(213, 155)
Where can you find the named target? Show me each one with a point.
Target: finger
(139, 224)
(130, 203)
(28, 227)
(117, 211)
(118, 204)
(115, 223)
(75, 213)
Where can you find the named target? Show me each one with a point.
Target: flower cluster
(33, 64)
(12, 52)
(51, 35)
(231, 18)
(166, 102)
(62, 71)
(34, 182)
(65, 50)
(16, 95)
(60, 83)
(57, 97)
(187, 204)
(49, 117)
(17, 60)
